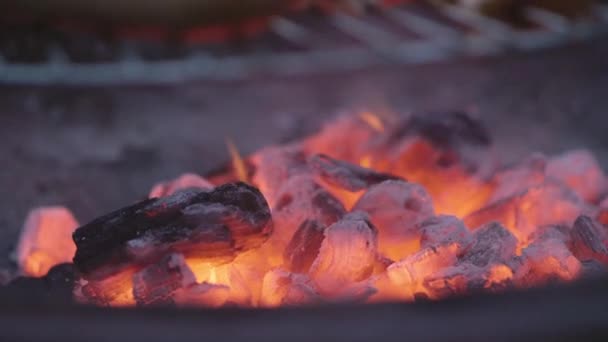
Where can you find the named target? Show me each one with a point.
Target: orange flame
(373, 121)
(238, 164)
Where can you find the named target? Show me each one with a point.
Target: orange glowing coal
(368, 209)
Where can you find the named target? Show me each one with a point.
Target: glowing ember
(46, 240)
(366, 210)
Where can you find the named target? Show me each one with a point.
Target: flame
(238, 164)
(373, 121)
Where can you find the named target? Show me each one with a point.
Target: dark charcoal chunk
(345, 175)
(215, 225)
(54, 288)
(444, 129)
(304, 246)
(492, 243)
(589, 240)
(155, 284)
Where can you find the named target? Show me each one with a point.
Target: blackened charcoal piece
(155, 284)
(445, 129)
(345, 175)
(492, 244)
(589, 240)
(304, 246)
(55, 287)
(215, 225)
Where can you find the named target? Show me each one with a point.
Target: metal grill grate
(294, 45)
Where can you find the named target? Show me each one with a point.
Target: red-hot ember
(368, 209)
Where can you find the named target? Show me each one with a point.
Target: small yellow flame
(373, 121)
(366, 161)
(238, 164)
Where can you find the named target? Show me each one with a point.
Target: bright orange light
(373, 121)
(238, 164)
(46, 240)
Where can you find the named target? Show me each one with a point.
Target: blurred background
(99, 100)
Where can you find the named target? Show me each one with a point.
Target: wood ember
(581, 172)
(548, 204)
(560, 232)
(444, 230)
(520, 177)
(396, 208)
(347, 254)
(444, 129)
(274, 166)
(215, 224)
(156, 283)
(346, 176)
(589, 240)
(113, 290)
(546, 261)
(46, 240)
(492, 243)
(185, 181)
(205, 294)
(411, 272)
(281, 287)
(304, 246)
(332, 138)
(301, 199)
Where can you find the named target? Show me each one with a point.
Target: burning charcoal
(589, 240)
(114, 290)
(346, 176)
(444, 230)
(155, 284)
(517, 179)
(301, 199)
(549, 204)
(344, 138)
(560, 232)
(455, 280)
(446, 129)
(304, 247)
(395, 208)
(410, 272)
(381, 264)
(580, 171)
(185, 181)
(213, 225)
(46, 240)
(347, 254)
(467, 278)
(284, 288)
(398, 288)
(546, 261)
(274, 166)
(492, 244)
(205, 294)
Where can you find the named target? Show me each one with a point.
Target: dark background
(96, 149)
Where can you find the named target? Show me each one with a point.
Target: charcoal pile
(368, 209)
